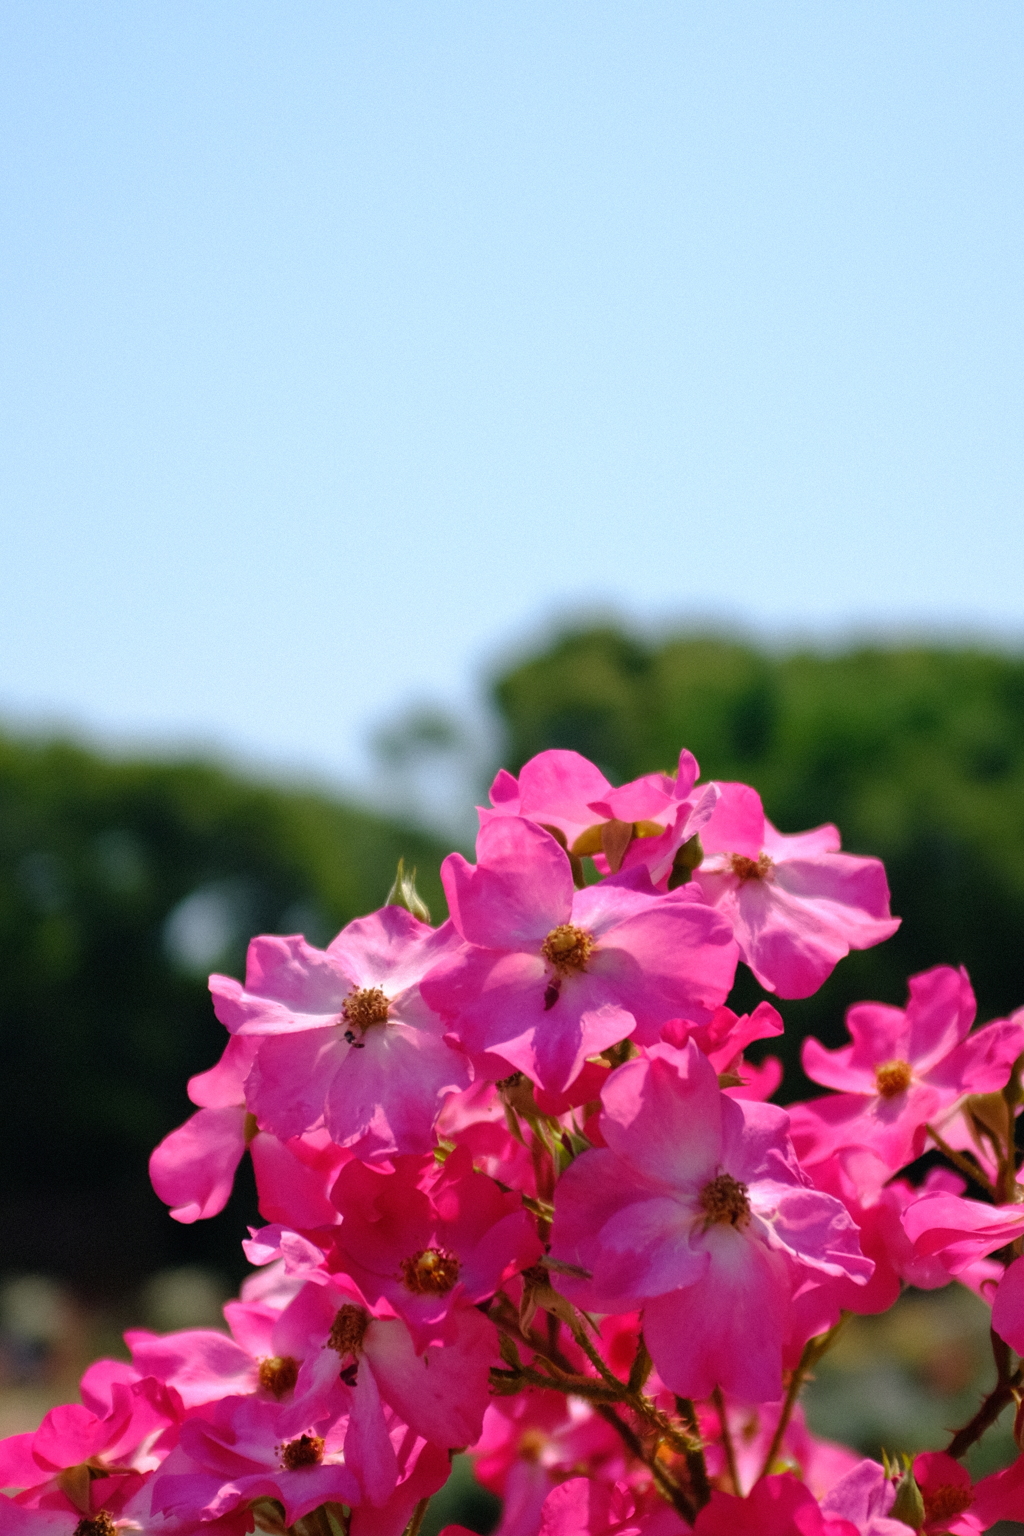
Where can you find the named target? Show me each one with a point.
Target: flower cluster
(524, 1196)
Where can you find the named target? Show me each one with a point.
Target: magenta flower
(583, 1507)
(550, 975)
(958, 1233)
(906, 1068)
(345, 1035)
(429, 1239)
(643, 823)
(778, 1505)
(123, 1436)
(239, 1450)
(796, 904)
(534, 1441)
(697, 1211)
(948, 1493)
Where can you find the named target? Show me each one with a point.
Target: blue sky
(343, 346)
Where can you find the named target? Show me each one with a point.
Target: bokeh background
(391, 392)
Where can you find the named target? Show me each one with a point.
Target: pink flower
(958, 1233)
(697, 1211)
(864, 1497)
(239, 1450)
(429, 1239)
(948, 1494)
(534, 1441)
(193, 1168)
(820, 1463)
(796, 904)
(779, 1505)
(582, 1507)
(905, 1069)
(346, 1034)
(550, 975)
(123, 1436)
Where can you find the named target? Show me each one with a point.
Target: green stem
(718, 1398)
(963, 1163)
(695, 1463)
(812, 1353)
(412, 1529)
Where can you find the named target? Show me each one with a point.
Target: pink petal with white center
(287, 1086)
(387, 1093)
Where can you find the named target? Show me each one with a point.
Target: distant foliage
(121, 885)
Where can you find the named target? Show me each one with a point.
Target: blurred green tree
(121, 885)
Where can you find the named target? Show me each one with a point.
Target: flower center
(724, 1202)
(278, 1374)
(944, 1502)
(750, 869)
(348, 1330)
(568, 948)
(306, 1451)
(532, 1444)
(362, 1009)
(96, 1525)
(431, 1272)
(893, 1077)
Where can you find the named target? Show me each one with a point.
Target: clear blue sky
(342, 345)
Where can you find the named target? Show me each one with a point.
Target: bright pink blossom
(697, 1211)
(346, 1035)
(905, 1069)
(429, 1239)
(948, 1493)
(779, 1505)
(240, 1450)
(550, 975)
(796, 904)
(193, 1168)
(534, 1441)
(864, 1497)
(124, 1435)
(582, 1507)
(644, 822)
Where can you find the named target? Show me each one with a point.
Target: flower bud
(404, 894)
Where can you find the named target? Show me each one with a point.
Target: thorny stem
(667, 1485)
(963, 1163)
(695, 1463)
(565, 1378)
(812, 1353)
(718, 1398)
(1001, 1394)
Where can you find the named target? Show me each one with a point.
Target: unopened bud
(404, 894)
(689, 856)
(909, 1504)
